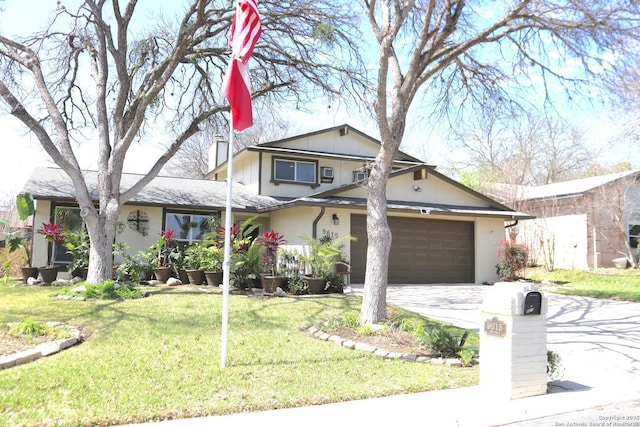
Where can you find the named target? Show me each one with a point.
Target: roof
(572, 188)
(343, 129)
(55, 184)
(424, 208)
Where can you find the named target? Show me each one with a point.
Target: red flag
(245, 32)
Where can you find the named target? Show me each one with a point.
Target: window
(634, 229)
(189, 227)
(294, 171)
(67, 217)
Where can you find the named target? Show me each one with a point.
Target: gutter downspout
(314, 230)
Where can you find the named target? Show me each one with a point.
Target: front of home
(311, 184)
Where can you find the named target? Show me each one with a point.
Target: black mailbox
(532, 303)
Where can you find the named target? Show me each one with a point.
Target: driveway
(598, 340)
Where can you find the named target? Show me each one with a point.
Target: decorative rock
(279, 292)
(79, 289)
(64, 297)
(336, 339)
(381, 352)
(76, 280)
(454, 362)
(423, 359)
(410, 357)
(116, 285)
(349, 344)
(394, 355)
(32, 281)
(154, 282)
(174, 282)
(438, 361)
(365, 347)
(324, 336)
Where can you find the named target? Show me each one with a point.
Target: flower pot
(182, 275)
(29, 272)
(316, 284)
(270, 283)
(162, 274)
(214, 278)
(48, 274)
(196, 277)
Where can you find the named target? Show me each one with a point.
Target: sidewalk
(598, 340)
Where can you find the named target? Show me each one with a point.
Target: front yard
(159, 358)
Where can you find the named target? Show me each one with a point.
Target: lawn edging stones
(42, 350)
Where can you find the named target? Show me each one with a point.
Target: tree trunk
(374, 301)
(102, 231)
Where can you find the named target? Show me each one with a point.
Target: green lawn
(159, 357)
(621, 285)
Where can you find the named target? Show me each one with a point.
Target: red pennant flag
(245, 32)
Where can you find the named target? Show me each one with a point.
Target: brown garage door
(422, 250)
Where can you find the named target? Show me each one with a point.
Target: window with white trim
(68, 218)
(188, 227)
(298, 171)
(634, 229)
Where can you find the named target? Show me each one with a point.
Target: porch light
(336, 220)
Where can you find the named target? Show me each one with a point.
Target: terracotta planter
(316, 284)
(196, 277)
(29, 272)
(270, 283)
(162, 274)
(48, 274)
(214, 278)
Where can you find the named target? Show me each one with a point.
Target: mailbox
(532, 303)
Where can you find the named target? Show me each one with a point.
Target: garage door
(422, 250)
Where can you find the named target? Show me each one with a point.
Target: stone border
(315, 332)
(41, 350)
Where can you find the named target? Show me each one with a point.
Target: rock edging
(315, 332)
(41, 350)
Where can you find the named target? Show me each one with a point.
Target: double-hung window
(298, 171)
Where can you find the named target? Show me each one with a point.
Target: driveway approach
(598, 340)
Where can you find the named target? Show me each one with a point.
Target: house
(580, 224)
(311, 184)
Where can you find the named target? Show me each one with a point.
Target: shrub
(512, 257)
(30, 329)
(298, 286)
(443, 342)
(364, 330)
(554, 365)
(351, 320)
(465, 355)
(106, 290)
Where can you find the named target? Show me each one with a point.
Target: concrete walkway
(598, 341)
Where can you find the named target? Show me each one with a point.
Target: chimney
(218, 152)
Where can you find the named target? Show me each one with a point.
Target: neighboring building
(580, 224)
(311, 184)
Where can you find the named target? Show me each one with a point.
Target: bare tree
(87, 73)
(528, 149)
(479, 55)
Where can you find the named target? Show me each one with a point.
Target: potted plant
(53, 234)
(164, 255)
(246, 262)
(270, 242)
(322, 255)
(212, 265)
(194, 258)
(77, 244)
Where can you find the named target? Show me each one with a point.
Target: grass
(159, 358)
(621, 285)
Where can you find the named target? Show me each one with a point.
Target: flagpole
(226, 265)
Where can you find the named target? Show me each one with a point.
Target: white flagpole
(226, 265)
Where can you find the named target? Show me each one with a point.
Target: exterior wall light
(336, 220)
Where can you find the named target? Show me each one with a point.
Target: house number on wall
(329, 233)
(495, 326)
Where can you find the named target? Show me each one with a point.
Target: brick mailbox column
(513, 341)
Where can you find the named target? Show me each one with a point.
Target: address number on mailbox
(495, 326)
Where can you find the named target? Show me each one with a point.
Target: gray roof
(55, 184)
(572, 188)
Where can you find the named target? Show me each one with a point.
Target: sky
(21, 152)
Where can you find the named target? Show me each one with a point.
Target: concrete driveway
(598, 340)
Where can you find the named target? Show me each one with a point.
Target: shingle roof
(570, 188)
(53, 183)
